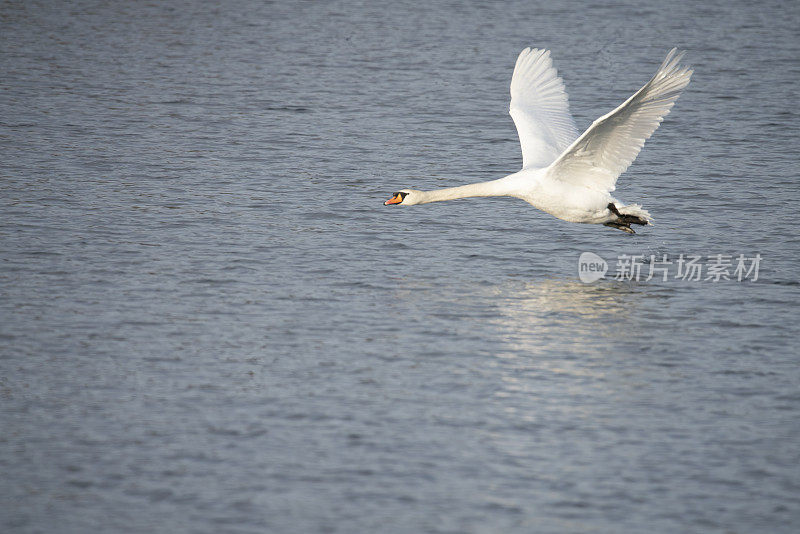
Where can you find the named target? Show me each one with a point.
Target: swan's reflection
(547, 316)
(560, 331)
(547, 349)
(549, 365)
(520, 319)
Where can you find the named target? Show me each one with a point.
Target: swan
(564, 174)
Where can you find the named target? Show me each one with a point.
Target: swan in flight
(567, 175)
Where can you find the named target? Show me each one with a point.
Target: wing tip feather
(671, 65)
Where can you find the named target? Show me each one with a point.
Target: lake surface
(210, 323)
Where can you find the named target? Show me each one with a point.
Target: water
(210, 323)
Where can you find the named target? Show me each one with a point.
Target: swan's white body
(564, 174)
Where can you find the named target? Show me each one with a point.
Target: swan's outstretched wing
(613, 141)
(540, 109)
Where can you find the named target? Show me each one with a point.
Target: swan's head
(406, 197)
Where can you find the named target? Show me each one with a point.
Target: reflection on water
(556, 336)
(551, 316)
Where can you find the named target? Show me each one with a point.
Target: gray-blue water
(210, 323)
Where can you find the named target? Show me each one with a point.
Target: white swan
(568, 176)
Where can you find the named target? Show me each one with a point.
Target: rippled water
(210, 323)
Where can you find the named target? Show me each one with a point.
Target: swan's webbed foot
(619, 225)
(625, 220)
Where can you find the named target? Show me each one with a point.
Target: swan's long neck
(494, 188)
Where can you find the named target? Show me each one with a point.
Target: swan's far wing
(540, 109)
(603, 152)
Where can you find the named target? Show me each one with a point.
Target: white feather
(605, 150)
(540, 109)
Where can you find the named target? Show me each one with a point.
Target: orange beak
(397, 199)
